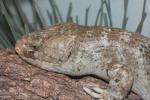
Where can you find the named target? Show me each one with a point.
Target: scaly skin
(118, 56)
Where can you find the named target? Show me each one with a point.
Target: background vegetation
(14, 22)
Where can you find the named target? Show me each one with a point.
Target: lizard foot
(99, 93)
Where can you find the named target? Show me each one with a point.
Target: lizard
(120, 57)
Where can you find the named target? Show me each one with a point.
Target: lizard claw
(99, 93)
(91, 92)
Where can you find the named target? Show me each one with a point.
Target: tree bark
(20, 80)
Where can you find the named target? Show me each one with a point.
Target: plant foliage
(14, 22)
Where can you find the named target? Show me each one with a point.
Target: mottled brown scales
(118, 56)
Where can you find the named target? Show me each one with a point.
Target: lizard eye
(35, 47)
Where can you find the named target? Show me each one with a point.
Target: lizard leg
(121, 80)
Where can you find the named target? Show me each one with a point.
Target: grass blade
(69, 18)
(99, 11)
(77, 19)
(58, 12)
(125, 18)
(86, 15)
(101, 18)
(38, 13)
(144, 14)
(108, 7)
(15, 35)
(23, 19)
(105, 20)
(50, 17)
(5, 43)
(56, 20)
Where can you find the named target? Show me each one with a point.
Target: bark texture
(22, 81)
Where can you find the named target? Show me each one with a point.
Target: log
(20, 80)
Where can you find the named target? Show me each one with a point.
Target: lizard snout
(20, 46)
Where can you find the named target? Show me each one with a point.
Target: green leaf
(9, 21)
(125, 18)
(144, 15)
(108, 7)
(105, 20)
(99, 12)
(86, 15)
(77, 19)
(69, 18)
(55, 17)
(50, 17)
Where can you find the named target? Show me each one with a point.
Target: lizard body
(118, 56)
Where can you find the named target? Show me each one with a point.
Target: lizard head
(52, 41)
(45, 47)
